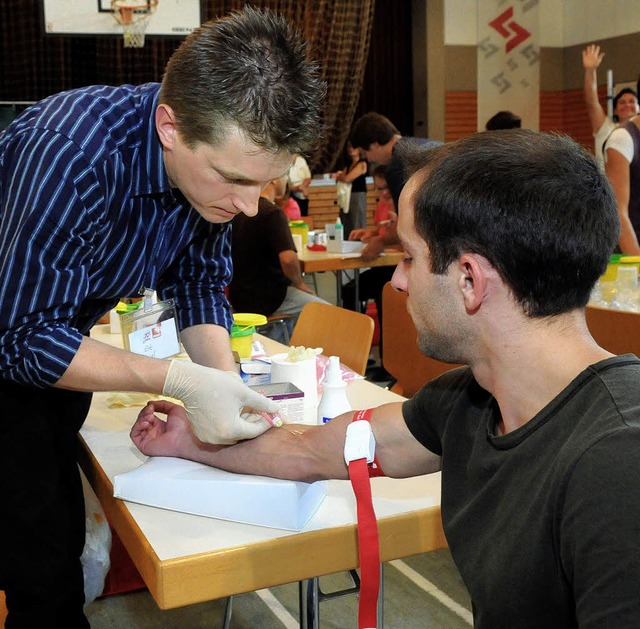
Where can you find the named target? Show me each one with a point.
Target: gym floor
(421, 591)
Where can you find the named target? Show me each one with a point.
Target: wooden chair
(338, 331)
(616, 331)
(400, 354)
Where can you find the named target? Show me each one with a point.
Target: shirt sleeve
(279, 233)
(428, 412)
(198, 279)
(620, 140)
(50, 205)
(599, 532)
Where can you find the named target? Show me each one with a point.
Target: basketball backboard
(95, 17)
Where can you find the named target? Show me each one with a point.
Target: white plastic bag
(343, 195)
(97, 547)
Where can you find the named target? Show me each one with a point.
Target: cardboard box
(255, 372)
(189, 487)
(344, 246)
(288, 396)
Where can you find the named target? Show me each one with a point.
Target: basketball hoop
(133, 16)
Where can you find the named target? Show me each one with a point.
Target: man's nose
(247, 199)
(399, 279)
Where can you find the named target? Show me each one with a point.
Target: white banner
(509, 60)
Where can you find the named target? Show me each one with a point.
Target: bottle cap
(334, 375)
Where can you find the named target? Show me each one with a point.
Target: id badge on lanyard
(152, 330)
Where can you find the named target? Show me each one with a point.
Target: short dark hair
(503, 120)
(248, 69)
(536, 205)
(370, 128)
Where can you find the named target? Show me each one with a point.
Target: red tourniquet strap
(368, 545)
(368, 542)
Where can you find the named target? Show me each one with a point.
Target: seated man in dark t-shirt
(505, 234)
(266, 271)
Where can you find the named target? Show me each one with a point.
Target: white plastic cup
(297, 241)
(302, 373)
(627, 276)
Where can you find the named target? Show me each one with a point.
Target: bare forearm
(628, 240)
(100, 367)
(310, 453)
(290, 265)
(617, 169)
(293, 452)
(591, 58)
(208, 345)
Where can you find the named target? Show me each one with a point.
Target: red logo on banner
(510, 30)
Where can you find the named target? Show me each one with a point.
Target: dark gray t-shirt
(544, 522)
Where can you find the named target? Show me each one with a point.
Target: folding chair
(400, 354)
(338, 331)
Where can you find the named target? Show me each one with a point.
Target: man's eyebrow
(234, 176)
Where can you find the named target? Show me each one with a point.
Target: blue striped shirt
(87, 216)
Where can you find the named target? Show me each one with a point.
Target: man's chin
(437, 350)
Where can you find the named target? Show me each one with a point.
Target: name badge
(152, 330)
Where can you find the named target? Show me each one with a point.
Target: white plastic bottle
(334, 393)
(339, 230)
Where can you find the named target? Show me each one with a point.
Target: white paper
(189, 487)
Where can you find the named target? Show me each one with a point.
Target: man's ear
(166, 126)
(472, 279)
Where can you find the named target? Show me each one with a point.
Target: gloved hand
(214, 401)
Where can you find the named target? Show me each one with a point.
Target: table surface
(187, 559)
(315, 261)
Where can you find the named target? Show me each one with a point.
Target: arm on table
(303, 187)
(617, 169)
(217, 401)
(290, 265)
(294, 452)
(351, 175)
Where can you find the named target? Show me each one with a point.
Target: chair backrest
(400, 354)
(616, 331)
(338, 331)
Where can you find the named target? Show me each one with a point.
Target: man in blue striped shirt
(104, 190)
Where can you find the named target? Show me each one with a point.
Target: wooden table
(617, 331)
(315, 261)
(187, 559)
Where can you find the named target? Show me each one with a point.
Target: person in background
(105, 190)
(378, 139)
(266, 271)
(299, 179)
(372, 280)
(538, 438)
(503, 120)
(355, 175)
(385, 209)
(288, 204)
(625, 103)
(622, 165)
(385, 215)
(381, 142)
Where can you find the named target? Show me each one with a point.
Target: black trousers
(42, 518)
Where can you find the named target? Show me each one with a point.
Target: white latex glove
(214, 401)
